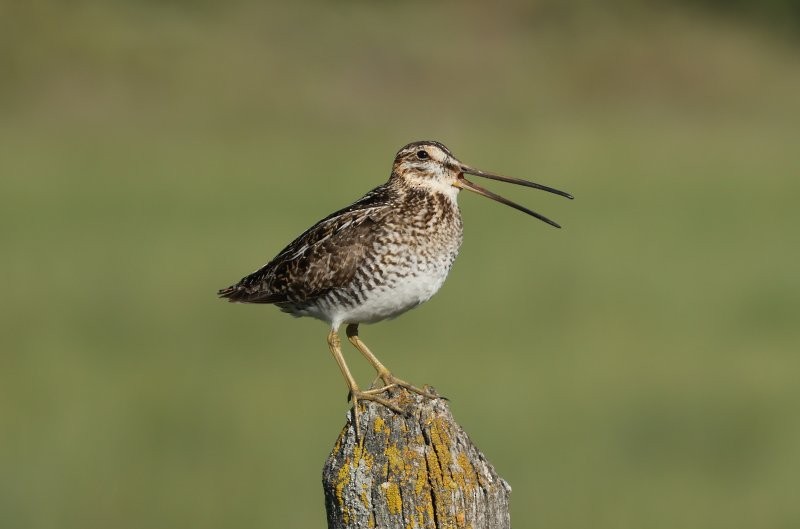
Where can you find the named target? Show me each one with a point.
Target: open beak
(463, 183)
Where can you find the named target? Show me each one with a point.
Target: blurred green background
(638, 368)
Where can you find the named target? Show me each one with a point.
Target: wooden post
(418, 471)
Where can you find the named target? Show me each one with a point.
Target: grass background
(638, 368)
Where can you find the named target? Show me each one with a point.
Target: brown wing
(327, 255)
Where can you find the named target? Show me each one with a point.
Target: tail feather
(240, 293)
(232, 293)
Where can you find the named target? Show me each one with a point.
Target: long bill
(463, 183)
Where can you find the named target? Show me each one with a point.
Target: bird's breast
(406, 262)
(406, 267)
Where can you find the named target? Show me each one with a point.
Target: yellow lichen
(393, 500)
(434, 470)
(465, 477)
(380, 426)
(441, 444)
(360, 454)
(463, 462)
(444, 475)
(395, 460)
(342, 479)
(423, 511)
(344, 476)
(422, 479)
(364, 496)
(439, 427)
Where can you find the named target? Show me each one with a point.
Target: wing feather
(325, 256)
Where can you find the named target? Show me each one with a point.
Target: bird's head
(430, 166)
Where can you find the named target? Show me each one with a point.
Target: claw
(378, 391)
(392, 381)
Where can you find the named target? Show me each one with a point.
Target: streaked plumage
(377, 258)
(386, 253)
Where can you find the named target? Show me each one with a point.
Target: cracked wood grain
(419, 471)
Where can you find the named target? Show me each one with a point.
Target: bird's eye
(422, 155)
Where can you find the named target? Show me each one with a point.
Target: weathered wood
(419, 471)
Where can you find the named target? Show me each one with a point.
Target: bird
(377, 258)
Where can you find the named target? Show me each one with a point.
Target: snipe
(377, 258)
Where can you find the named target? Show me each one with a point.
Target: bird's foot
(390, 382)
(371, 395)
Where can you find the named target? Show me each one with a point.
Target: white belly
(398, 291)
(393, 299)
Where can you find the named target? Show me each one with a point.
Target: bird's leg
(384, 374)
(355, 393)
